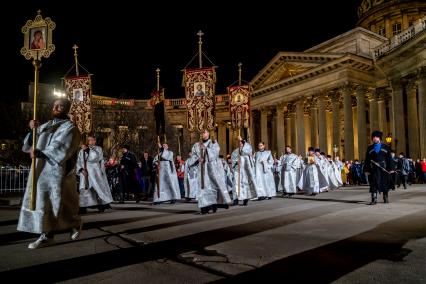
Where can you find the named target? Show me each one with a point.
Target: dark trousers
(402, 179)
(393, 180)
(181, 187)
(145, 185)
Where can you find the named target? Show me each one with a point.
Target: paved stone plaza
(334, 237)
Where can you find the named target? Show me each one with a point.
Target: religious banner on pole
(199, 86)
(239, 106)
(157, 101)
(79, 91)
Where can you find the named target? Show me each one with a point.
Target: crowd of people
(140, 185)
(57, 200)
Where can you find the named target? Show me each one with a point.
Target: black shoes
(205, 210)
(245, 202)
(373, 202)
(82, 210)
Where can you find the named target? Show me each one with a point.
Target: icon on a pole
(38, 38)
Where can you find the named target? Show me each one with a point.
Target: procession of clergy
(214, 183)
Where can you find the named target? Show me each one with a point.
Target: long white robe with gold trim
(244, 180)
(289, 165)
(57, 197)
(265, 183)
(309, 181)
(190, 181)
(213, 190)
(323, 165)
(334, 176)
(169, 184)
(98, 187)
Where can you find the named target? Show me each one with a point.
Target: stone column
(307, 124)
(355, 128)
(288, 126)
(280, 129)
(422, 111)
(329, 117)
(264, 127)
(362, 123)
(300, 126)
(398, 116)
(322, 122)
(349, 131)
(222, 137)
(413, 120)
(314, 124)
(335, 104)
(273, 134)
(374, 113)
(251, 134)
(381, 106)
(293, 134)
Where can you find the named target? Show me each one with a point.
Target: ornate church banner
(79, 91)
(200, 98)
(239, 106)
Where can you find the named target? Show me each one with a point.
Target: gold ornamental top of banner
(38, 38)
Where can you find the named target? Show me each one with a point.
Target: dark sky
(123, 43)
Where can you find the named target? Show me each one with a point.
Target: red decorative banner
(239, 106)
(200, 98)
(79, 91)
(156, 97)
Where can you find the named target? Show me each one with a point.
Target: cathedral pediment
(289, 64)
(286, 70)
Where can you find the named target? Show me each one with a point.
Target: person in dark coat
(378, 167)
(128, 164)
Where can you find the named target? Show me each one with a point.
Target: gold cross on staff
(200, 52)
(200, 34)
(158, 79)
(75, 47)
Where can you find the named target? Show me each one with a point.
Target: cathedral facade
(334, 94)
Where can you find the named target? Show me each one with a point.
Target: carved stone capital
(346, 89)
(381, 94)
(291, 107)
(335, 97)
(421, 73)
(264, 111)
(360, 91)
(398, 85)
(412, 85)
(371, 94)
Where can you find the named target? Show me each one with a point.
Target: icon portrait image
(199, 89)
(77, 95)
(38, 38)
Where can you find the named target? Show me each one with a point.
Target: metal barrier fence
(13, 179)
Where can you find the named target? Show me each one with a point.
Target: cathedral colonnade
(340, 120)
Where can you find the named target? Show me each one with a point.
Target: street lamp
(335, 150)
(58, 94)
(388, 139)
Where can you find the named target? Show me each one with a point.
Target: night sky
(122, 44)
